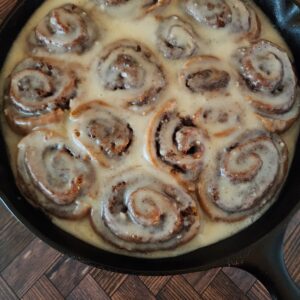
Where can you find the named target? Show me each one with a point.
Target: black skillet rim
(221, 253)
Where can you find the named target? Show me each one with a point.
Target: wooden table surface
(29, 269)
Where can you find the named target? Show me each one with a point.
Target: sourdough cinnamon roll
(270, 84)
(176, 39)
(112, 2)
(137, 111)
(245, 176)
(220, 118)
(65, 29)
(203, 74)
(145, 5)
(38, 90)
(235, 16)
(142, 213)
(175, 143)
(130, 76)
(151, 5)
(97, 128)
(54, 176)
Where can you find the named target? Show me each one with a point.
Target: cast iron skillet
(257, 249)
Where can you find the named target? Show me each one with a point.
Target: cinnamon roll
(202, 74)
(146, 5)
(54, 176)
(38, 90)
(221, 119)
(175, 143)
(142, 213)
(137, 111)
(97, 128)
(130, 75)
(245, 176)
(270, 84)
(112, 2)
(176, 39)
(65, 29)
(234, 15)
(151, 5)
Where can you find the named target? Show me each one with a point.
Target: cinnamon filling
(144, 214)
(65, 29)
(131, 67)
(38, 90)
(176, 38)
(180, 144)
(207, 80)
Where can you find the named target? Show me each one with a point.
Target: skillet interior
(203, 258)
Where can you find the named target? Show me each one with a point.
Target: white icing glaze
(143, 213)
(144, 30)
(65, 29)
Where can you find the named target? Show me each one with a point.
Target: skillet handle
(297, 2)
(265, 260)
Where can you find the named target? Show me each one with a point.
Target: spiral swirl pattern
(142, 213)
(137, 111)
(176, 143)
(54, 175)
(38, 90)
(130, 75)
(203, 74)
(65, 29)
(112, 2)
(232, 15)
(221, 120)
(96, 127)
(176, 39)
(246, 175)
(270, 84)
(146, 6)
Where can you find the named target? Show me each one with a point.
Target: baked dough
(150, 128)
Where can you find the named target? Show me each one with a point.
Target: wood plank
(29, 266)
(241, 278)
(43, 289)
(292, 257)
(155, 283)
(222, 288)
(295, 222)
(109, 281)
(132, 289)
(5, 291)
(201, 280)
(66, 274)
(5, 215)
(88, 289)
(14, 238)
(5, 7)
(178, 289)
(258, 291)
